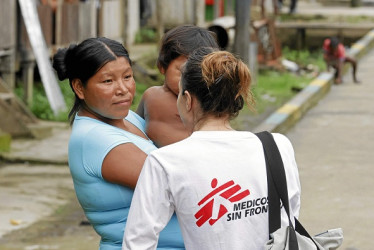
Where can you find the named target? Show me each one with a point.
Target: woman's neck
(86, 111)
(213, 124)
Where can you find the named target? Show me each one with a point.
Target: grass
(275, 88)
(305, 58)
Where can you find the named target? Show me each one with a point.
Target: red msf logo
(228, 191)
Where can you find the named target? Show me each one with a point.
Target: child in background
(158, 105)
(334, 56)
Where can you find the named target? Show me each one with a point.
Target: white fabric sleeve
(151, 207)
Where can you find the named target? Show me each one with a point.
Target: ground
(36, 190)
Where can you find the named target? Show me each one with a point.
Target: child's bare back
(159, 104)
(159, 109)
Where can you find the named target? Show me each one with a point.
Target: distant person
(108, 144)
(334, 56)
(215, 180)
(158, 105)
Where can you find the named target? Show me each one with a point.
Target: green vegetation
(359, 19)
(140, 88)
(275, 88)
(290, 18)
(146, 35)
(41, 107)
(209, 12)
(304, 57)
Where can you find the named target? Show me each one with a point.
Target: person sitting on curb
(334, 56)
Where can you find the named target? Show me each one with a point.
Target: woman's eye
(107, 81)
(128, 76)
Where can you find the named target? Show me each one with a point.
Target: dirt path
(42, 210)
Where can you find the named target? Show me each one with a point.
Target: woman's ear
(189, 100)
(78, 88)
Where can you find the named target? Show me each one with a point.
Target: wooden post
(58, 24)
(109, 11)
(301, 36)
(242, 39)
(160, 19)
(132, 23)
(28, 80)
(229, 7)
(216, 8)
(8, 68)
(199, 13)
(87, 20)
(8, 31)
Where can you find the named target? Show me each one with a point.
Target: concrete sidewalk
(333, 144)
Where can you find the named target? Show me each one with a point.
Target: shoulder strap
(275, 171)
(277, 185)
(277, 189)
(273, 197)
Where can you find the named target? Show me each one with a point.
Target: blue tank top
(106, 204)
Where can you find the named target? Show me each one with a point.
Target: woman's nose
(122, 86)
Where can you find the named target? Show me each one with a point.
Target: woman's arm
(122, 165)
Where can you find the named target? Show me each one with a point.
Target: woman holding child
(108, 144)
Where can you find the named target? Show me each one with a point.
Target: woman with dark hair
(108, 145)
(215, 180)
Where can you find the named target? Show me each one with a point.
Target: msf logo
(228, 191)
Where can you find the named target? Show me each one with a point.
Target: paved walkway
(333, 145)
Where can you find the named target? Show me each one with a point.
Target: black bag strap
(277, 189)
(273, 197)
(277, 186)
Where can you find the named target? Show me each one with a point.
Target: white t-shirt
(216, 183)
